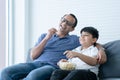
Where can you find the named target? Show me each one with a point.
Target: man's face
(66, 24)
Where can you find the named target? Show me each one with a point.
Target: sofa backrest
(111, 69)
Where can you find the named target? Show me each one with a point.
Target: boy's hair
(93, 31)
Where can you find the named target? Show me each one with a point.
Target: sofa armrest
(28, 59)
(111, 69)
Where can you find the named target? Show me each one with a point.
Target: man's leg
(0, 75)
(17, 71)
(41, 73)
(81, 75)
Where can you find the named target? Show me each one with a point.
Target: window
(16, 32)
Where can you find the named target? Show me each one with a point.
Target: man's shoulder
(74, 36)
(43, 34)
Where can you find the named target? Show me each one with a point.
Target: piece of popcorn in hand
(66, 65)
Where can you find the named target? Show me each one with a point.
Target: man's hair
(75, 23)
(93, 31)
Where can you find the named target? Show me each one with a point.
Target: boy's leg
(59, 74)
(81, 75)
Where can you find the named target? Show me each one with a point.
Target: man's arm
(101, 54)
(36, 51)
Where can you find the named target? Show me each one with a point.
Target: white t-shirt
(91, 51)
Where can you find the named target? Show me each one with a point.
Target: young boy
(84, 58)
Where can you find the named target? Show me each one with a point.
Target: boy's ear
(94, 40)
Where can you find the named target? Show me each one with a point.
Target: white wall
(2, 32)
(102, 14)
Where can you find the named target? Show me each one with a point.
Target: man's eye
(63, 21)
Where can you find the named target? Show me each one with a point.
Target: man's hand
(50, 33)
(101, 56)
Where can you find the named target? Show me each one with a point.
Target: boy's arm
(87, 59)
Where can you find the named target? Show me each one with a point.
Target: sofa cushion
(28, 59)
(111, 69)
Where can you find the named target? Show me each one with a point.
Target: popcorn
(66, 65)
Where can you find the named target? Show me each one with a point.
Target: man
(47, 52)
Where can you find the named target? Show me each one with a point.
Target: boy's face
(87, 39)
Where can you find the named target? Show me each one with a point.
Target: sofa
(111, 69)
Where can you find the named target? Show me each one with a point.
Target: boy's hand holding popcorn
(66, 65)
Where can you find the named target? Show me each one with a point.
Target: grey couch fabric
(28, 59)
(111, 69)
